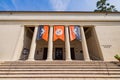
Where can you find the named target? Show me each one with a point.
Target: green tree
(103, 6)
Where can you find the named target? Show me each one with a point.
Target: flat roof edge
(54, 12)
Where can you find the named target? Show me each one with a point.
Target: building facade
(99, 34)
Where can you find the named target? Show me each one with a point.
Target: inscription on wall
(106, 46)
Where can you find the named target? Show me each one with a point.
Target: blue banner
(40, 32)
(77, 32)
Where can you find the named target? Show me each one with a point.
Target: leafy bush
(117, 57)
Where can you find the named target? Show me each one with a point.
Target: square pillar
(33, 45)
(19, 46)
(84, 45)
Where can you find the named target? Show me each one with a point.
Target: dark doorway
(72, 53)
(45, 53)
(58, 54)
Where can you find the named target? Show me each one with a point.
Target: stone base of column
(68, 60)
(49, 59)
(30, 59)
(88, 60)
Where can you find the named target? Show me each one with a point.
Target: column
(84, 45)
(19, 46)
(67, 44)
(50, 45)
(33, 45)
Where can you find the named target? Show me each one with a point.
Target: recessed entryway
(58, 53)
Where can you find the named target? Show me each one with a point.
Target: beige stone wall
(59, 16)
(8, 39)
(109, 41)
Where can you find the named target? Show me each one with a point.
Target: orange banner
(45, 34)
(72, 34)
(58, 32)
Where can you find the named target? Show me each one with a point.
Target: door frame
(62, 53)
(73, 53)
(45, 54)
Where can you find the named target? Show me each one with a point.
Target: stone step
(29, 63)
(59, 72)
(80, 66)
(53, 64)
(80, 69)
(43, 73)
(57, 67)
(59, 64)
(56, 62)
(62, 63)
(60, 76)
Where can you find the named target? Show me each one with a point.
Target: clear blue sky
(52, 5)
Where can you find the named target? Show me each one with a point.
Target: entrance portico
(56, 50)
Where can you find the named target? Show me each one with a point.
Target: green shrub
(117, 57)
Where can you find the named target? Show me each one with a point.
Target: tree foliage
(103, 6)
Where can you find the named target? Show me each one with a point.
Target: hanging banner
(43, 32)
(74, 33)
(58, 32)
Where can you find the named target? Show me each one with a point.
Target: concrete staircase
(10, 70)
